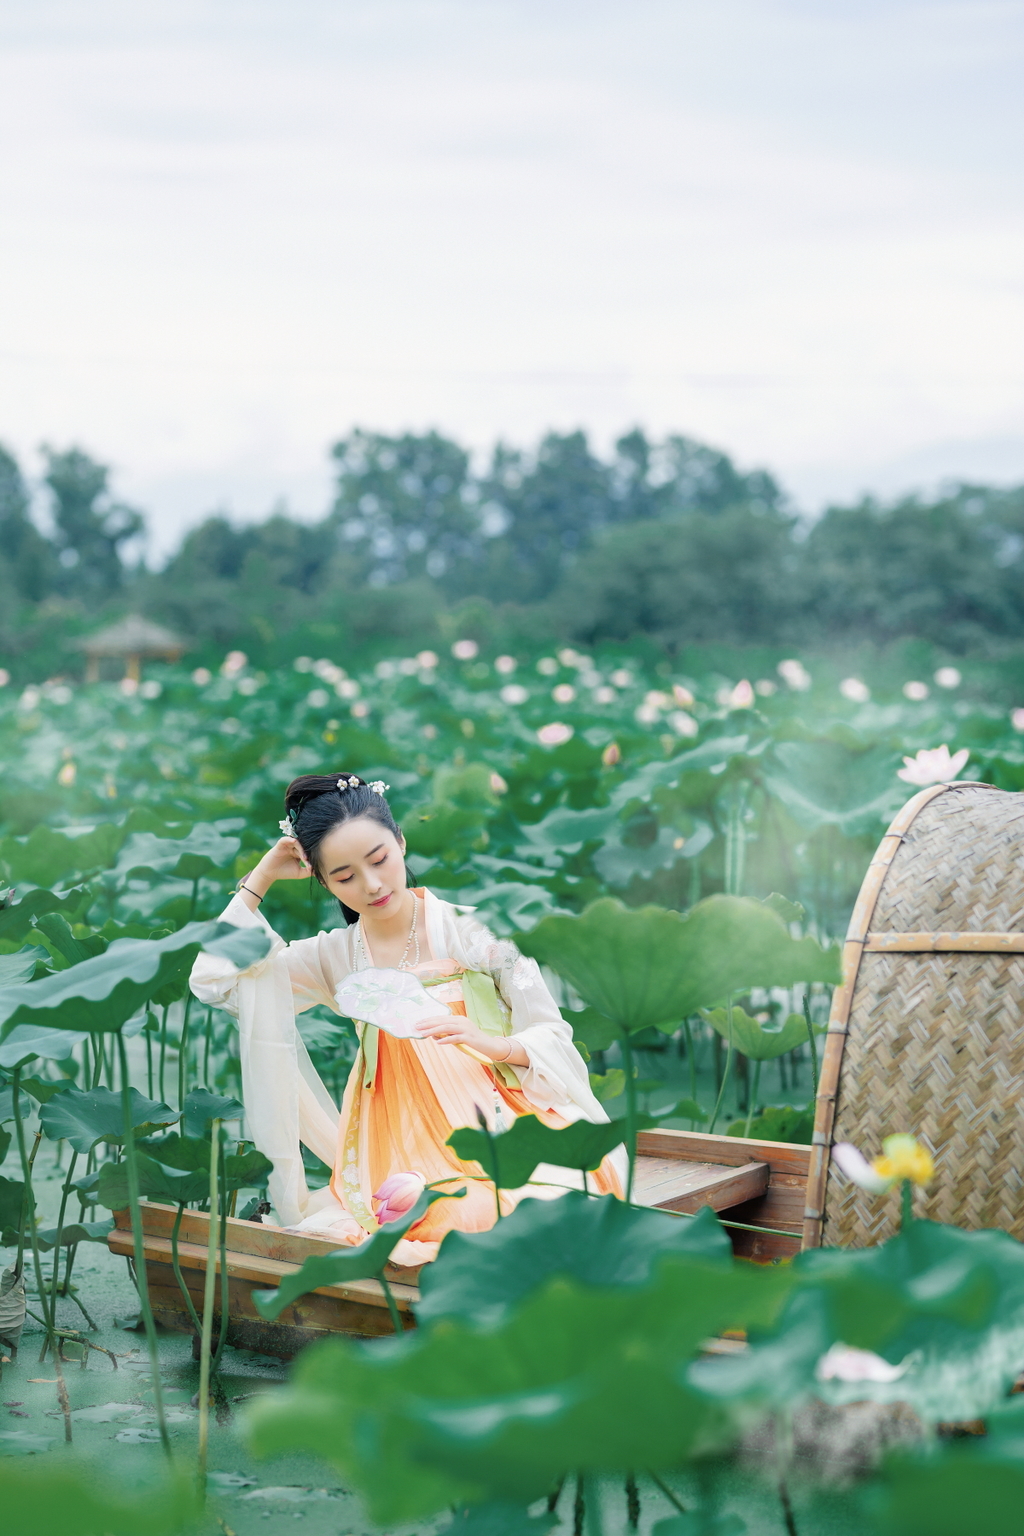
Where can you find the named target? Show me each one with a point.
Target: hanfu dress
(404, 1097)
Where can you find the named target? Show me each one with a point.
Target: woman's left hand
(456, 1029)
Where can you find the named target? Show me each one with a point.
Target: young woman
(503, 1048)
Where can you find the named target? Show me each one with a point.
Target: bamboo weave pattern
(935, 1043)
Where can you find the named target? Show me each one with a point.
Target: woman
(503, 1049)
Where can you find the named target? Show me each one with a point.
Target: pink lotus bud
(398, 1194)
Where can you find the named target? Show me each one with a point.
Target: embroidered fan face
(395, 1001)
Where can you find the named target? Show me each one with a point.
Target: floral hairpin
(350, 781)
(287, 824)
(378, 786)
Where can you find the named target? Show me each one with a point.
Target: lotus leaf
(576, 1379)
(646, 966)
(361, 1263)
(824, 783)
(480, 1276)
(101, 993)
(201, 1106)
(28, 1040)
(12, 1200)
(84, 1117)
(80, 1500)
(18, 920)
(944, 1306)
(189, 858)
(517, 1152)
(760, 1042)
(21, 965)
(75, 1232)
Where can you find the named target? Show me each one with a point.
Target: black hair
(315, 805)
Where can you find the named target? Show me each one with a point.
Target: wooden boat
(755, 1183)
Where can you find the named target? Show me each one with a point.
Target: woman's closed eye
(344, 879)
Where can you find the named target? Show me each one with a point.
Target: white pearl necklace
(413, 938)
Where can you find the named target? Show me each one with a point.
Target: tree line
(666, 540)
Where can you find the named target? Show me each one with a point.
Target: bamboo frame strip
(842, 1000)
(939, 943)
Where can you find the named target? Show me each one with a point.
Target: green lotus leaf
(200, 853)
(44, 1089)
(84, 1117)
(17, 921)
(75, 1232)
(575, 1379)
(943, 1306)
(595, 1030)
(760, 1042)
(823, 783)
(171, 1186)
(26, 1041)
(778, 1122)
(12, 1201)
(49, 857)
(21, 965)
(56, 929)
(516, 1153)
(361, 1263)
(101, 993)
(647, 967)
(607, 1085)
(480, 1276)
(192, 1153)
(201, 1106)
(85, 1500)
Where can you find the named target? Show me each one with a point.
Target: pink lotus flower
(398, 1194)
(555, 734)
(936, 766)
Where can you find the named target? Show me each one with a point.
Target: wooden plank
(695, 1146)
(259, 1271)
(949, 942)
(694, 1185)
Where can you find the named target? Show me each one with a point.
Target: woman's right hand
(285, 861)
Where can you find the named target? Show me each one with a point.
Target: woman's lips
(381, 901)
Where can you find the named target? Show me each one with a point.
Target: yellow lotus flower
(904, 1158)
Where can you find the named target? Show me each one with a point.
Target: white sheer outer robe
(285, 1100)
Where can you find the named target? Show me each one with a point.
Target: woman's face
(362, 864)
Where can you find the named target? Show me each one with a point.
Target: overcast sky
(231, 230)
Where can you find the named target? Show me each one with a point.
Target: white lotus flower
(514, 693)
(856, 691)
(794, 674)
(933, 765)
(1017, 719)
(948, 677)
(857, 1169)
(742, 696)
(845, 1363)
(915, 691)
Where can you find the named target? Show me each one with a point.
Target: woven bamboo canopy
(131, 640)
(925, 1034)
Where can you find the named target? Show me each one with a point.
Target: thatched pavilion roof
(132, 636)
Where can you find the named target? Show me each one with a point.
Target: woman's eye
(378, 862)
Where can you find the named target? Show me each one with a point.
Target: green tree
(28, 566)
(90, 527)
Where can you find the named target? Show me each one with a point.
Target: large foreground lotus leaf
(644, 967)
(12, 1200)
(84, 1117)
(100, 994)
(479, 1276)
(759, 1042)
(576, 1379)
(954, 1488)
(200, 853)
(361, 1263)
(42, 1498)
(943, 1306)
(824, 783)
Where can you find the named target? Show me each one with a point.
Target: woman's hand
(285, 861)
(456, 1029)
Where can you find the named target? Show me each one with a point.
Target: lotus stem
(691, 1060)
(667, 1491)
(224, 1288)
(389, 1297)
(727, 1071)
(163, 1051)
(183, 1052)
(754, 1086)
(810, 1039)
(65, 1193)
(906, 1204)
(183, 1288)
(209, 1290)
(139, 1247)
(627, 1061)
